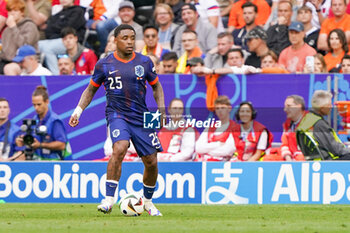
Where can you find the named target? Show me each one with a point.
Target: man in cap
(195, 62)
(27, 60)
(294, 56)
(206, 31)
(256, 41)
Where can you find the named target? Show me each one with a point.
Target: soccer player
(124, 74)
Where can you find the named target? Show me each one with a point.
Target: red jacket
(253, 139)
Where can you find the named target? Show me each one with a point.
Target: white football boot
(151, 209)
(105, 206)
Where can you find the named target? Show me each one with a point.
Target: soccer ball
(131, 205)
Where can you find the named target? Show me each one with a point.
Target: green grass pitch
(177, 218)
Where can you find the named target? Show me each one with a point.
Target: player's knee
(119, 149)
(150, 162)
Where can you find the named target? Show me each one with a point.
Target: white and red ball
(131, 205)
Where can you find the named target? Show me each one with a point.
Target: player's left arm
(159, 98)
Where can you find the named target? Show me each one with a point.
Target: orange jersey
(236, 14)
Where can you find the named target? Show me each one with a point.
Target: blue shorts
(146, 141)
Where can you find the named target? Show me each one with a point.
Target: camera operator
(49, 141)
(8, 133)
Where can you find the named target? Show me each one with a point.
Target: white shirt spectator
(208, 8)
(40, 70)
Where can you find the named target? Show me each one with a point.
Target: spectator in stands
(110, 47)
(3, 16)
(236, 14)
(345, 64)
(206, 32)
(70, 16)
(320, 11)
(65, 65)
(156, 63)
(150, 37)
(273, 18)
(192, 49)
(127, 14)
(195, 62)
(164, 17)
(169, 63)
(217, 143)
(326, 138)
(256, 40)
(251, 137)
(341, 20)
(318, 66)
(250, 12)
(83, 58)
(209, 11)
(294, 107)
(19, 31)
(217, 57)
(178, 141)
(338, 47)
(8, 132)
(311, 32)
(293, 57)
(39, 11)
(27, 63)
(269, 64)
(225, 8)
(103, 21)
(52, 143)
(277, 35)
(176, 6)
(235, 65)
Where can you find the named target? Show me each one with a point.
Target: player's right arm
(84, 101)
(95, 82)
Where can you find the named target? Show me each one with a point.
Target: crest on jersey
(139, 71)
(116, 133)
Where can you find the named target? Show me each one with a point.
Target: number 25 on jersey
(115, 83)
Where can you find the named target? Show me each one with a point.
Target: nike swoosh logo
(112, 72)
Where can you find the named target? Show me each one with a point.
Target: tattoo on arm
(87, 96)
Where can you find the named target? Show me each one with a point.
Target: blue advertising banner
(191, 182)
(84, 182)
(267, 92)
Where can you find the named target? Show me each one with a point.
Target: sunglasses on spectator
(151, 36)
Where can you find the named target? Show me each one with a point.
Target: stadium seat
(308, 146)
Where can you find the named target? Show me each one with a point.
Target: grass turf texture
(177, 218)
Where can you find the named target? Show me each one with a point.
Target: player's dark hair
(3, 99)
(41, 91)
(123, 27)
(150, 26)
(68, 31)
(249, 4)
(236, 50)
(170, 56)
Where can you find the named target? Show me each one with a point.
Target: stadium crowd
(278, 36)
(202, 37)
